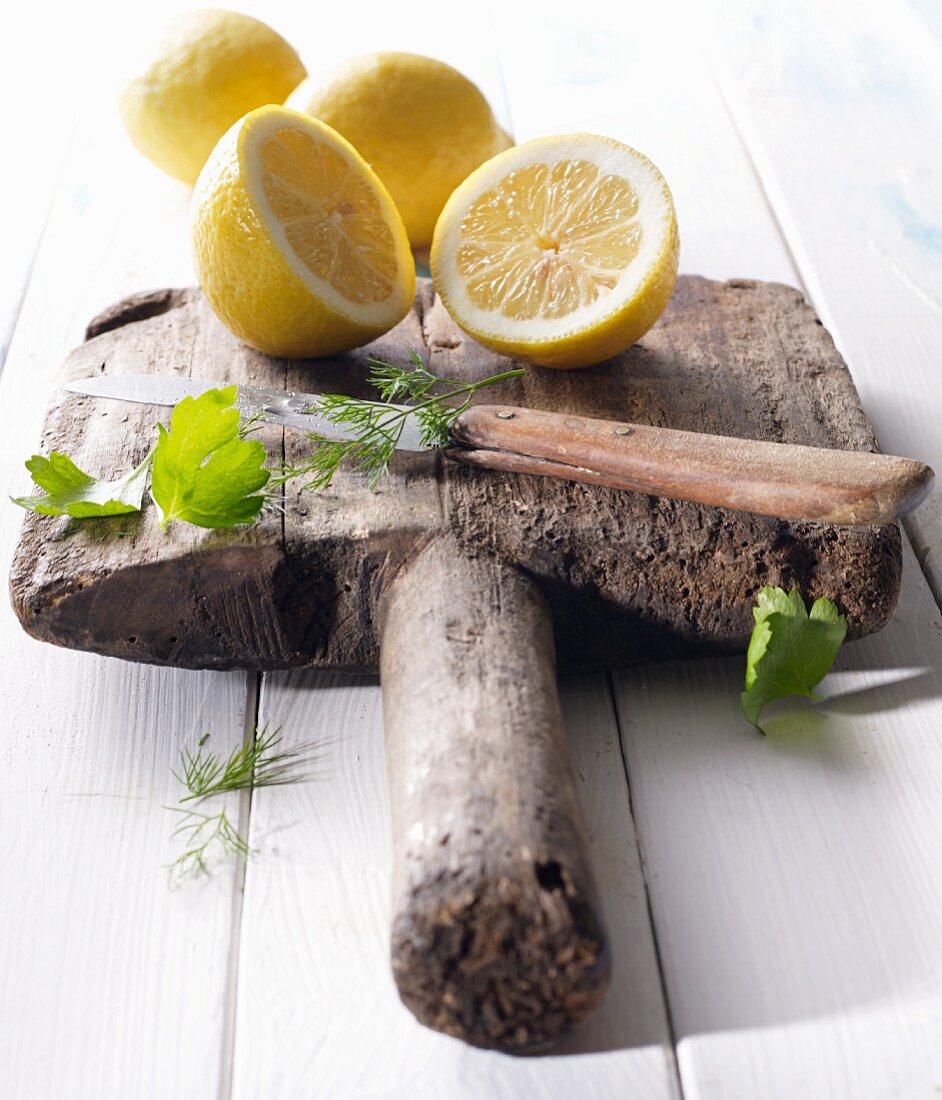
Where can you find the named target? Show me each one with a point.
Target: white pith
(374, 313)
(654, 215)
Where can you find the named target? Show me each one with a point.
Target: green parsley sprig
(790, 651)
(70, 491)
(204, 472)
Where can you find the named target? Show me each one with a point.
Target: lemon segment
(297, 245)
(561, 251)
(209, 69)
(421, 124)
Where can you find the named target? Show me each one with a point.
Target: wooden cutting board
(465, 588)
(628, 577)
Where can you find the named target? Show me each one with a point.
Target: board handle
(496, 933)
(784, 480)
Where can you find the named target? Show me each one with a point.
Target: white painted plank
(28, 186)
(317, 1011)
(113, 986)
(841, 107)
(795, 880)
(929, 13)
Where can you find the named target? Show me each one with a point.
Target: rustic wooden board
(626, 576)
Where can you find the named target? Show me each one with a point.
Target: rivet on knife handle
(773, 479)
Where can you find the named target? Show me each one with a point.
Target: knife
(784, 480)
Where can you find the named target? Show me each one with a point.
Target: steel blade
(290, 410)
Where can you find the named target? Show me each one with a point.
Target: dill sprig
(203, 833)
(261, 762)
(251, 423)
(376, 426)
(258, 763)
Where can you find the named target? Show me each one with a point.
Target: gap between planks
(658, 954)
(253, 695)
(13, 300)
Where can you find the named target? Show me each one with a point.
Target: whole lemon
(210, 68)
(421, 125)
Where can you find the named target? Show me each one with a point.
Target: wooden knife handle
(773, 479)
(496, 934)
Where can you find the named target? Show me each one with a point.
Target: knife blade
(783, 480)
(289, 410)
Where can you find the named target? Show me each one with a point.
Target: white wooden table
(775, 904)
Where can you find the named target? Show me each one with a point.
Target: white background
(774, 903)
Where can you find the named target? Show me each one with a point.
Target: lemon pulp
(548, 240)
(331, 217)
(561, 251)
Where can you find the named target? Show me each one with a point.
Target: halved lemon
(561, 251)
(297, 244)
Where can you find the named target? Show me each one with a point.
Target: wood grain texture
(744, 359)
(497, 936)
(317, 1011)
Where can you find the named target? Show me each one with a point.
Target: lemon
(420, 124)
(297, 245)
(210, 68)
(561, 251)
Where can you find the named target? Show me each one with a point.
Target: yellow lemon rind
(208, 71)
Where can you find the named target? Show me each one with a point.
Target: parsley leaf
(789, 651)
(204, 473)
(72, 492)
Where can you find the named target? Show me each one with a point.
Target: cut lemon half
(561, 251)
(297, 245)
